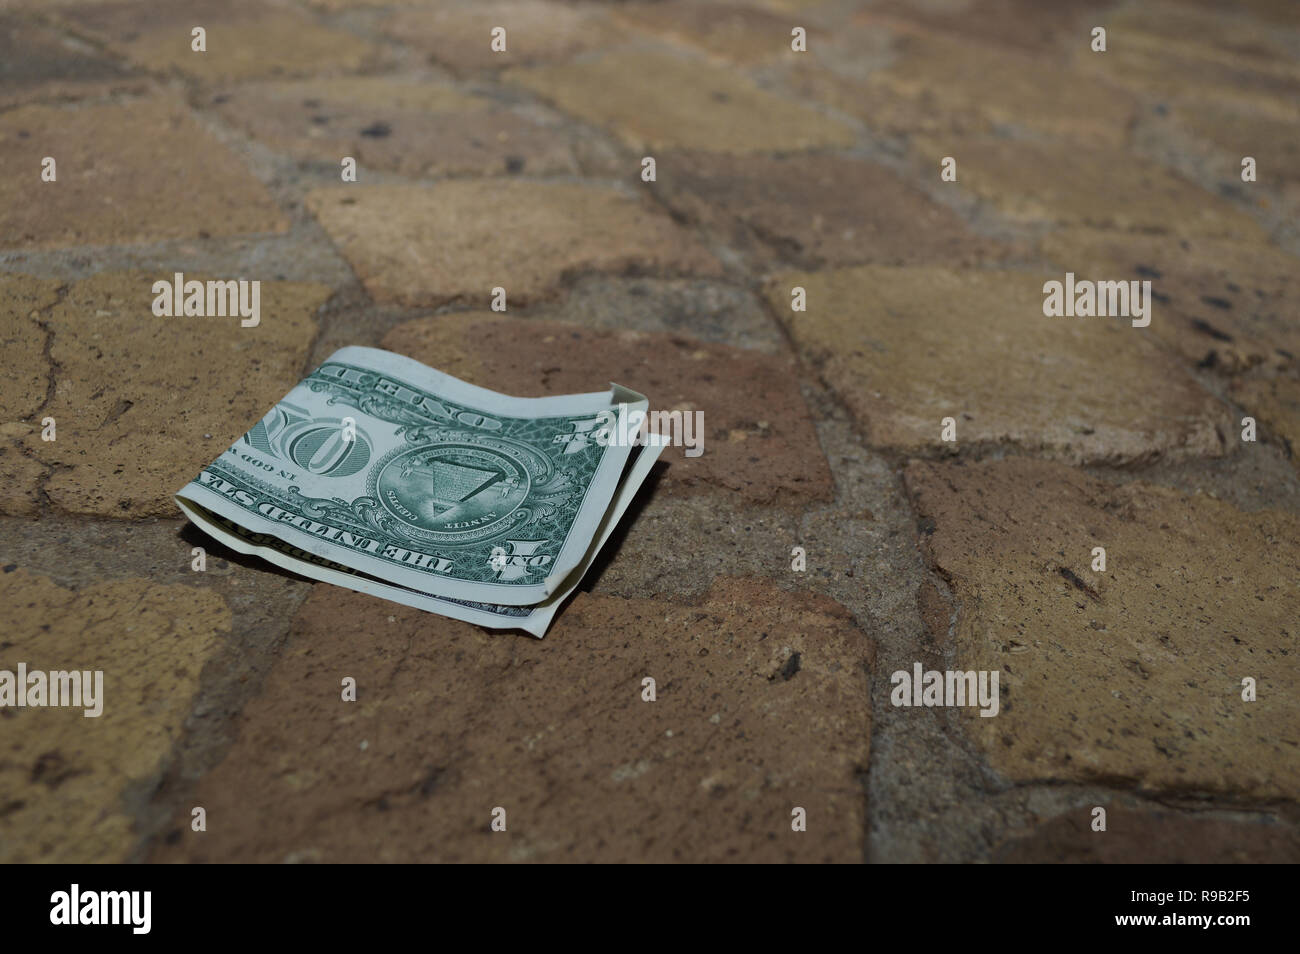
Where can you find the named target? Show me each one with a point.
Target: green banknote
(386, 476)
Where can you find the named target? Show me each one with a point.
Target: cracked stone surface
(131, 430)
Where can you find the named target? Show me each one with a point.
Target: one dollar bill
(385, 476)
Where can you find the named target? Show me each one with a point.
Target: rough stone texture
(907, 347)
(459, 34)
(1232, 133)
(1214, 36)
(986, 89)
(1153, 836)
(24, 382)
(758, 439)
(134, 171)
(1275, 404)
(1026, 25)
(459, 240)
(1196, 596)
(64, 776)
(245, 39)
(706, 309)
(760, 711)
(690, 104)
(132, 428)
(1059, 183)
(813, 210)
(1226, 305)
(766, 159)
(39, 63)
(414, 128)
(24, 386)
(1174, 51)
(733, 34)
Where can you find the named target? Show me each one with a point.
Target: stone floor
(1120, 688)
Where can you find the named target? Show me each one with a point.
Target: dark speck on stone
(11, 567)
(1216, 302)
(1206, 328)
(791, 667)
(377, 130)
(514, 164)
(1146, 271)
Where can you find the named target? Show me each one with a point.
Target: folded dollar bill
(385, 476)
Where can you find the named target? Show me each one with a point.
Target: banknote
(383, 475)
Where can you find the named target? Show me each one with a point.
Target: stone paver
(704, 308)
(905, 348)
(459, 34)
(1060, 182)
(1225, 305)
(459, 240)
(818, 209)
(1177, 52)
(1196, 597)
(760, 708)
(758, 439)
(138, 170)
(39, 63)
(63, 774)
(1015, 24)
(400, 126)
(1153, 837)
(244, 39)
(132, 429)
(991, 88)
(690, 104)
(734, 34)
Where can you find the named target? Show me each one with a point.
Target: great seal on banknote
(460, 488)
